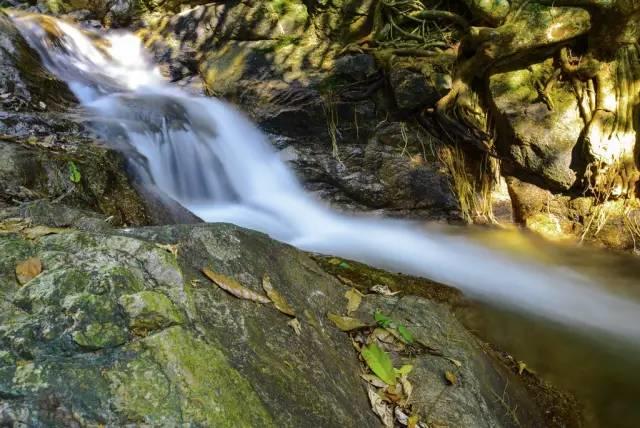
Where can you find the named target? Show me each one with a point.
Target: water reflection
(602, 371)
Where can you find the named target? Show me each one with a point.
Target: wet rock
(25, 85)
(389, 173)
(412, 90)
(29, 172)
(538, 131)
(44, 154)
(66, 344)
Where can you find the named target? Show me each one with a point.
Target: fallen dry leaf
(383, 335)
(172, 248)
(233, 287)
(407, 388)
(373, 380)
(451, 378)
(354, 298)
(394, 393)
(455, 362)
(278, 300)
(13, 225)
(295, 325)
(345, 323)
(401, 416)
(346, 281)
(36, 232)
(380, 408)
(384, 290)
(28, 269)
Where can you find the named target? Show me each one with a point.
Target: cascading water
(211, 159)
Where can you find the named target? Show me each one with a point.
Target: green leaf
(74, 172)
(404, 370)
(382, 319)
(380, 363)
(405, 333)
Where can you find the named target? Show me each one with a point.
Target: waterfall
(215, 162)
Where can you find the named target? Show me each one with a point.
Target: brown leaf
(380, 408)
(233, 287)
(373, 380)
(345, 323)
(346, 281)
(36, 232)
(354, 299)
(407, 388)
(12, 225)
(28, 269)
(278, 300)
(455, 362)
(295, 325)
(451, 378)
(394, 393)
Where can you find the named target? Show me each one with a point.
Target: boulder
(412, 90)
(121, 328)
(395, 172)
(538, 131)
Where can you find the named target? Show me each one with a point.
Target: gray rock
(118, 331)
(538, 137)
(412, 90)
(355, 67)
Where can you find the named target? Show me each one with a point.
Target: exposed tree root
(605, 78)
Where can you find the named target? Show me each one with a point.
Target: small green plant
(386, 322)
(74, 172)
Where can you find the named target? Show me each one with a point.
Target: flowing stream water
(210, 158)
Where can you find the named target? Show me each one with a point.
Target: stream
(571, 314)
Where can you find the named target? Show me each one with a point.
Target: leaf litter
(295, 325)
(28, 269)
(278, 300)
(346, 323)
(233, 287)
(36, 232)
(354, 298)
(388, 388)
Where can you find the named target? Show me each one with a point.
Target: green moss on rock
(149, 311)
(97, 336)
(207, 390)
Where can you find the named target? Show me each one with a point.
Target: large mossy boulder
(121, 328)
